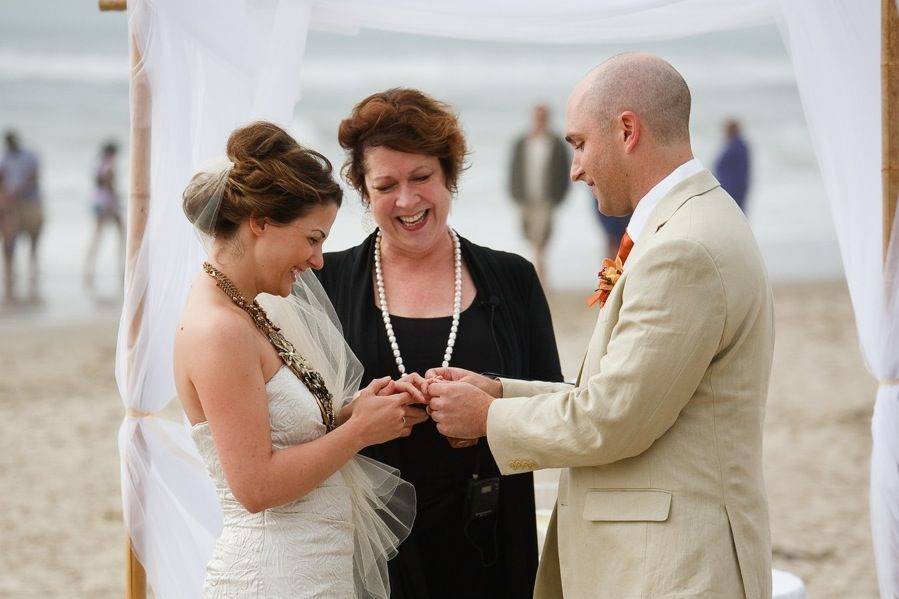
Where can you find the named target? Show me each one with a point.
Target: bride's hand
(379, 411)
(415, 412)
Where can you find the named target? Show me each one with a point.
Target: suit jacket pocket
(627, 505)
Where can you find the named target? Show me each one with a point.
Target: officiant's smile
(408, 196)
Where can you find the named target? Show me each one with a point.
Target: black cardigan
(506, 283)
(522, 332)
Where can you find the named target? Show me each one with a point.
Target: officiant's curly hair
(273, 177)
(404, 120)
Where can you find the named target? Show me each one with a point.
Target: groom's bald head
(643, 84)
(628, 122)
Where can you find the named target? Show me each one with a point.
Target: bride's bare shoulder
(214, 326)
(216, 349)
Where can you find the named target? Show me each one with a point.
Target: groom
(663, 493)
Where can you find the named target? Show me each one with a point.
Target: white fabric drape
(213, 66)
(589, 21)
(210, 68)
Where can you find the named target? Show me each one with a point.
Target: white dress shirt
(649, 201)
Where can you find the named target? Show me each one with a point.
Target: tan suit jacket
(664, 494)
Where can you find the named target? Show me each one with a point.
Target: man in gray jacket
(538, 181)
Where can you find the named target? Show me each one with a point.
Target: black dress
(507, 329)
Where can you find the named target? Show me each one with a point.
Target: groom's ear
(631, 128)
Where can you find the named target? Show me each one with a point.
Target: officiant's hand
(486, 384)
(459, 408)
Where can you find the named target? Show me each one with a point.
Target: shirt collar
(644, 207)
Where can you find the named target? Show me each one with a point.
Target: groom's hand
(490, 386)
(459, 408)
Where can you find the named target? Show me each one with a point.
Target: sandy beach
(60, 509)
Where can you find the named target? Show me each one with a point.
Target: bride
(262, 372)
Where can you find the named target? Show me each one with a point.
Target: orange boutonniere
(608, 276)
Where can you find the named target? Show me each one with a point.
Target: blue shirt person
(733, 164)
(613, 226)
(20, 171)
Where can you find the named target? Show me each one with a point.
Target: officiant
(414, 295)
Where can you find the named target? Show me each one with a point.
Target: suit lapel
(690, 187)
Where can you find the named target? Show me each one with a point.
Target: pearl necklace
(385, 314)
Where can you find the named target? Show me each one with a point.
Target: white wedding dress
(301, 549)
(335, 541)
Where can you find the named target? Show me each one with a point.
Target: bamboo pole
(112, 4)
(138, 210)
(890, 112)
(138, 205)
(135, 577)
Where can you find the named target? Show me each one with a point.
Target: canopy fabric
(589, 21)
(835, 46)
(212, 68)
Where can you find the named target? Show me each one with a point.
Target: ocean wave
(49, 66)
(482, 73)
(473, 70)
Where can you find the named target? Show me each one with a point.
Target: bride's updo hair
(273, 177)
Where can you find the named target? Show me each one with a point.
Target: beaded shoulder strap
(294, 361)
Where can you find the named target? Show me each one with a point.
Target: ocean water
(64, 87)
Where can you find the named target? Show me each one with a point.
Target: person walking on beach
(732, 165)
(106, 207)
(538, 181)
(20, 171)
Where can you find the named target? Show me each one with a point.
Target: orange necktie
(613, 268)
(624, 249)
